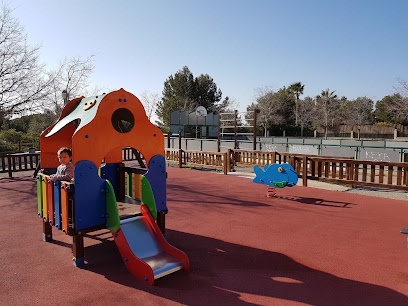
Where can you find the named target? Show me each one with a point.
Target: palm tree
(297, 90)
(326, 101)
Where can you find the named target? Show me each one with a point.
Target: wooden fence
(210, 160)
(330, 169)
(18, 162)
(354, 172)
(251, 158)
(308, 167)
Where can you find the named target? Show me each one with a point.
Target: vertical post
(161, 220)
(180, 140)
(292, 161)
(168, 139)
(304, 174)
(78, 249)
(47, 231)
(229, 160)
(10, 170)
(255, 127)
(226, 162)
(129, 183)
(180, 158)
(235, 129)
(274, 157)
(219, 133)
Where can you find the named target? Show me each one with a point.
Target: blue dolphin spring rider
(275, 176)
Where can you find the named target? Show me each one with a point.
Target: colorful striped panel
(50, 201)
(64, 208)
(138, 189)
(39, 195)
(44, 198)
(57, 205)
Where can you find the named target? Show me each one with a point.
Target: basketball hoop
(201, 111)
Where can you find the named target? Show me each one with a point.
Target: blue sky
(358, 48)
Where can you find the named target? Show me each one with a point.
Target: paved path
(309, 246)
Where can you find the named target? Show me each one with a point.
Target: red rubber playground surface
(308, 246)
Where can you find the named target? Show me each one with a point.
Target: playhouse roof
(108, 123)
(79, 112)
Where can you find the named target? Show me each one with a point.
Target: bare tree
(150, 100)
(72, 77)
(359, 112)
(395, 107)
(22, 79)
(271, 107)
(402, 87)
(307, 113)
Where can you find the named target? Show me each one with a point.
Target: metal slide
(146, 253)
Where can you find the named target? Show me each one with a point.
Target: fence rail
(354, 172)
(309, 167)
(251, 158)
(210, 160)
(18, 162)
(331, 169)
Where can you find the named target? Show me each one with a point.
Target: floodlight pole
(256, 111)
(235, 130)
(219, 132)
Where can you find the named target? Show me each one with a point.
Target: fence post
(10, 170)
(180, 158)
(180, 140)
(304, 175)
(226, 162)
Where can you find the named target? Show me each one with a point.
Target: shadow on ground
(317, 201)
(210, 198)
(227, 273)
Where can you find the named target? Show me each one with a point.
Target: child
(65, 171)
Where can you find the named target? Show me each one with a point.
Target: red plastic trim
(169, 249)
(135, 265)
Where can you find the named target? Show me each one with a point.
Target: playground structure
(275, 176)
(106, 193)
